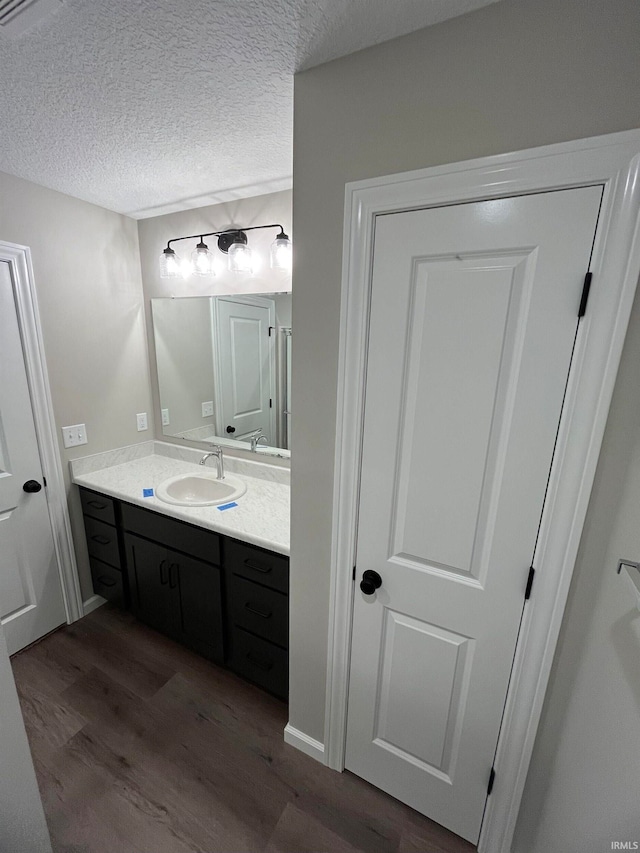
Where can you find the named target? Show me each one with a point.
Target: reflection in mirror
(224, 369)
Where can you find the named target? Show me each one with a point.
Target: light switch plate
(165, 417)
(141, 419)
(72, 436)
(207, 409)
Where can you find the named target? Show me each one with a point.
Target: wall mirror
(224, 368)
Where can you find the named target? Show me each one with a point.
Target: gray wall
(87, 274)
(156, 231)
(517, 74)
(582, 790)
(184, 353)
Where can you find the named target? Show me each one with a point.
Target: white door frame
(614, 162)
(19, 260)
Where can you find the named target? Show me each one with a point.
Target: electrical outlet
(74, 435)
(165, 417)
(207, 409)
(141, 418)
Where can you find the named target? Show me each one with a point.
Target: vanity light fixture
(233, 242)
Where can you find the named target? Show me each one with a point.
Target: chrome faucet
(217, 452)
(256, 439)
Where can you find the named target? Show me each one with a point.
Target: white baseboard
(306, 744)
(93, 603)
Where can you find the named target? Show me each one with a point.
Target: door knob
(31, 486)
(371, 581)
(231, 429)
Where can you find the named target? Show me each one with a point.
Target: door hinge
(44, 480)
(271, 328)
(586, 287)
(353, 577)
(270, 403)
(527, 592)
(492, 779)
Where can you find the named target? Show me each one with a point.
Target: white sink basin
(200, 490)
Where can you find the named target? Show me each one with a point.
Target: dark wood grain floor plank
(66, 783)
(51, 716)
(299, 832)
(44, 666)
(246, 715)
(117, 824)
(411, 843)
(125, 720)
(122, 661)
(148, 782)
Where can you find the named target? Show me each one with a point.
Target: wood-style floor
(141, 746)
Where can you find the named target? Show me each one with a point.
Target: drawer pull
(261, 664)
(163, 566)
(173, 583)
(105, 581)
(101, 540)
(259, 567)
(257, 612)
(97, 504)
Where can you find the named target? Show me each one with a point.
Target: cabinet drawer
(261, 662)
(107, 581)
(200, 543)
(260, 610)
(102, 541)
(258, 565)
(97, 506)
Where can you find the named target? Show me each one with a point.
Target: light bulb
(202, 260)
(240, 259)
(170, 264)
(186, 268)
(281, 253)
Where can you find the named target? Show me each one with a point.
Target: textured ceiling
(149, 106)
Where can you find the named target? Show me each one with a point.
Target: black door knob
(371, 581)
(32, 486)
(231, 429)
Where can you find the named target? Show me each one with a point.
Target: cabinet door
(201, 606)
(155, 599)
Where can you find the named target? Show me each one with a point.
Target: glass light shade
(202, 260)
(281, 252)
(240, 258)
(170, 265)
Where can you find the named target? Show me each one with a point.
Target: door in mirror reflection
(246, 365)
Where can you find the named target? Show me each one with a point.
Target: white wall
(87, 274)
(156, 231)
(514, 75)
(283, 310)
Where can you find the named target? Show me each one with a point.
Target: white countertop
(261, 516)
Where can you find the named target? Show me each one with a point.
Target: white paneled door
(473, 322)
(31, 602)
(245, 351)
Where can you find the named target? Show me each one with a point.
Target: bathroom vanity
(187, 577)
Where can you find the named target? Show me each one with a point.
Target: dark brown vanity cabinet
(177, 593)
(225, 599)
(103, 544)
(258, 607)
